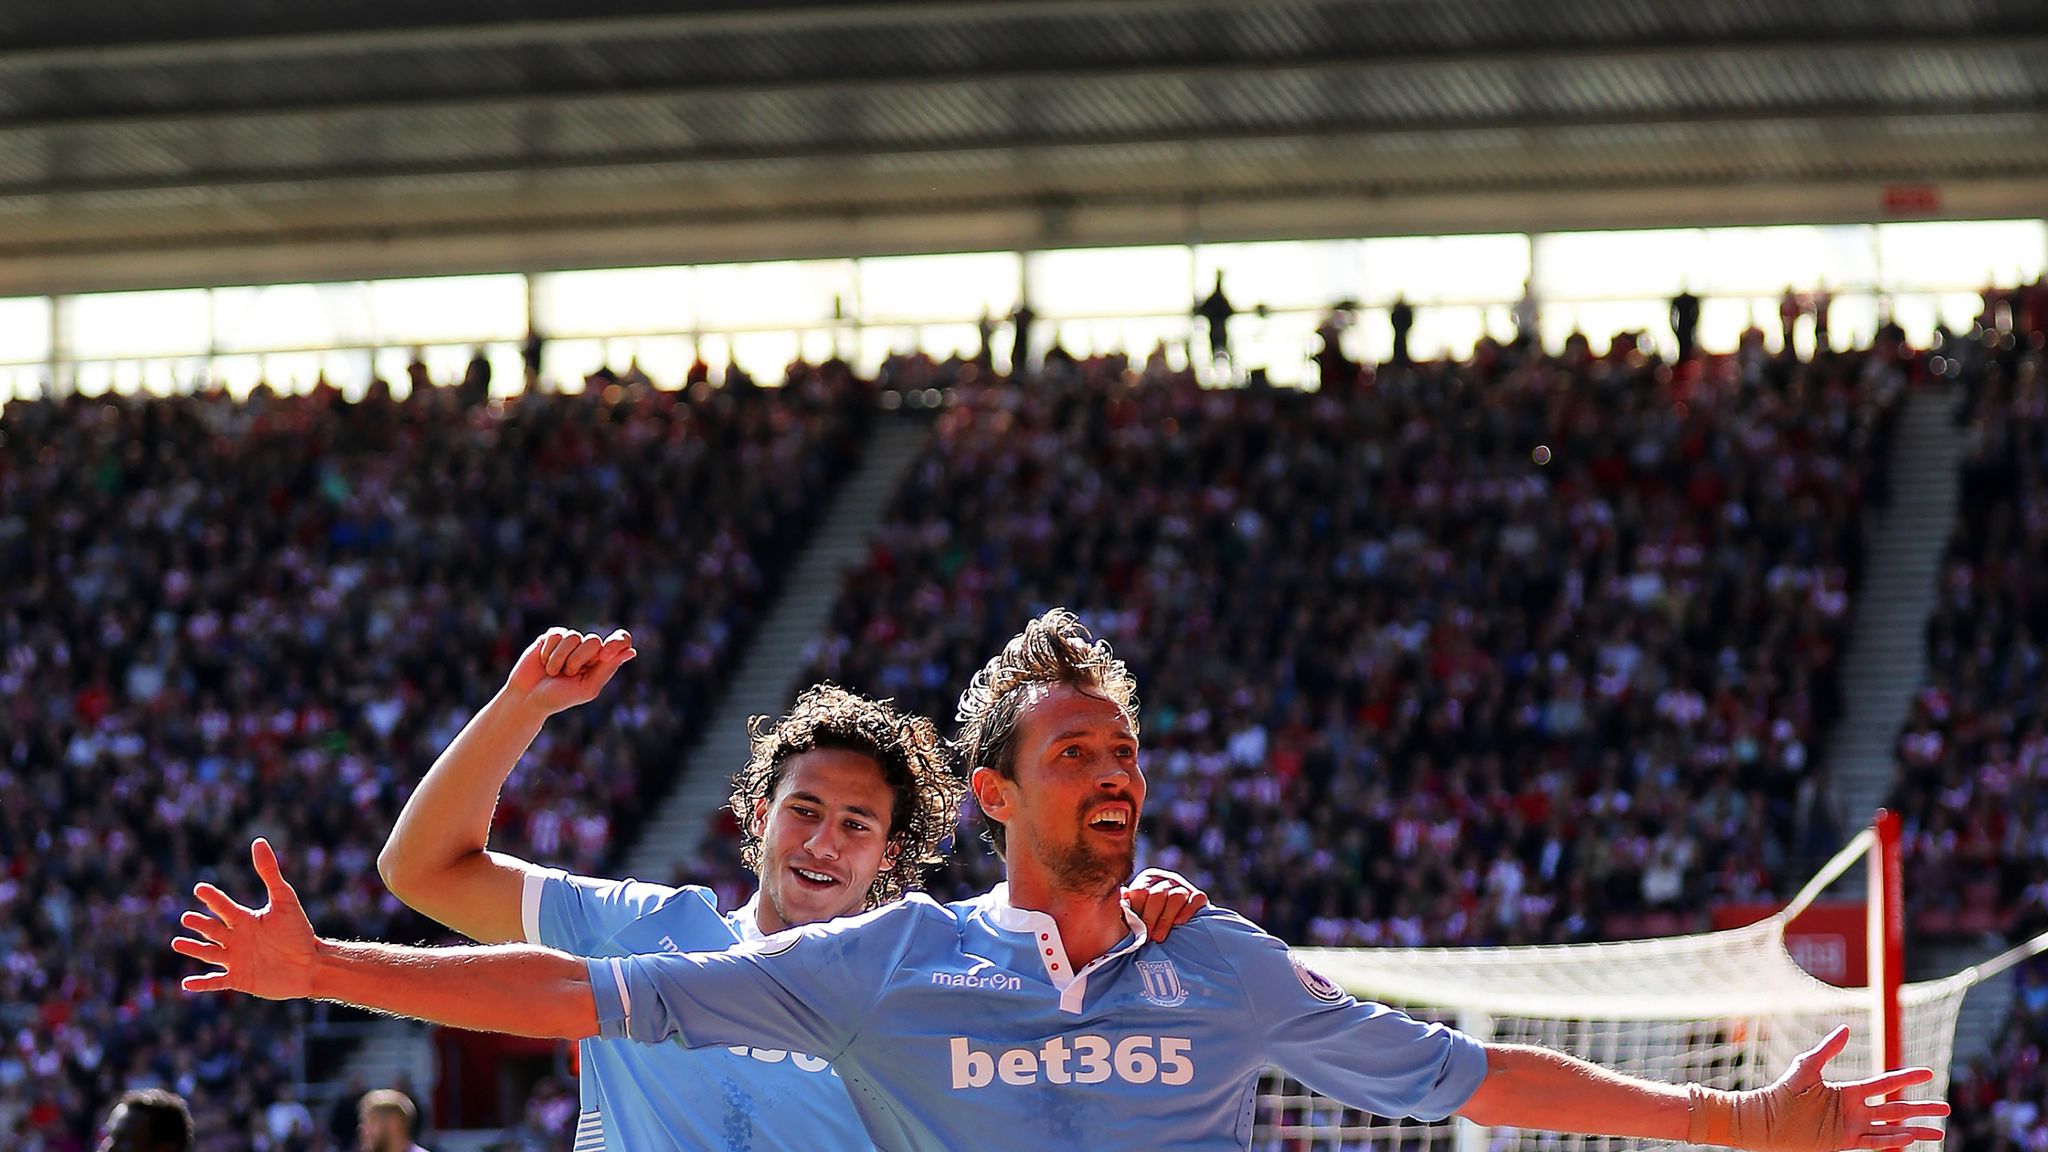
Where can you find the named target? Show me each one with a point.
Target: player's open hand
(1164, 900)
(1803, 1112)
(266, 952)
(563, 667)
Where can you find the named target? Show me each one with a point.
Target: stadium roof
(144, 142)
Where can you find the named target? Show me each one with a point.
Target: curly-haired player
(843, 803)
(907, 749)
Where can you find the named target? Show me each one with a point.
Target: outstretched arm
(436, 860)
(1528, 1087)
(271, 952)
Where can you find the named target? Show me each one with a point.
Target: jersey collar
(1045, 942)
(746, 923)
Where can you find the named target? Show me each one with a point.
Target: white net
(1726, 1009)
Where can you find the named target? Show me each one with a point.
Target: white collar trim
(747, 924)
(1052, 951)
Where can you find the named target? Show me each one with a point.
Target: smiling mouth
(817, 878)
(1115, 817)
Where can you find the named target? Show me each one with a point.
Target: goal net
(1728, 1009)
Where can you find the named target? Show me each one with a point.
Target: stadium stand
(1973, 753)
(1405, 682)
(227, 618)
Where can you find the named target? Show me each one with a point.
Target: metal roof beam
(525, 33)
(1675, 50)
(346, 175)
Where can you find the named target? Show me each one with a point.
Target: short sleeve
(1359, 1053)
(576, 913)
(807, 989)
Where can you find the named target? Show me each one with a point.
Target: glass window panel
(1290, 274)
(913, 289)
(1602, 320)
(565, 363)
(605, 303)
(877, 345)
(1852, 321)
(21, 382)
(783, 294)
(664, 359)
(120, 324)
(1444, 269)
(449, 309)
(93, 378)
(1764, 261)
(446, 363)
(1370, 339)
(239, 374)
(1604, 265)
(1140, 336)
(943, 340)
(293, 373)
(171, 377)
(822, 344)
(765, 356)
(1280, 344)
(390, 366)
(1723, 320)
(292, 317)
(24, 329)
(127, 377)
(1961, 256)
(1112, 282)
(1446, 331)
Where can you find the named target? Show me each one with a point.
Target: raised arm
(271, 952)
(437, 861)
(1528, 1087)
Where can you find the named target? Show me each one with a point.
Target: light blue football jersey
(636, 1097)
(958, 1026)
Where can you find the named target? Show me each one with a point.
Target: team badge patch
(1319, 986)
(1162, 984)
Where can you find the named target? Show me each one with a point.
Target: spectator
(288, 1122)
(1021, 318)
(148, 1120)
(1527, 319)
(1401, 318)
(269, 615)
(1790, 308)
(385, 1122)
(1216, 311)
(1685, 322)
(1395, 665)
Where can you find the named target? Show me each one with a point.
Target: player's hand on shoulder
(1164, 900)
(563, 667)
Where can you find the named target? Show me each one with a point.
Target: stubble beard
(1081, 868)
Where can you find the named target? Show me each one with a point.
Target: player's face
(381, 1131)
(1073, 808)
(824, 836)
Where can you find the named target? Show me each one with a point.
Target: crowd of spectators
(229, 618)
(1973, 752)
(1488, 652)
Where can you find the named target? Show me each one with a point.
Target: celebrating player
(843, 803)
(1042, 1014)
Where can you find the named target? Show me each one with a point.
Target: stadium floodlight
(1728, 1009)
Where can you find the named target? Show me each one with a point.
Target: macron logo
(994, 981)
